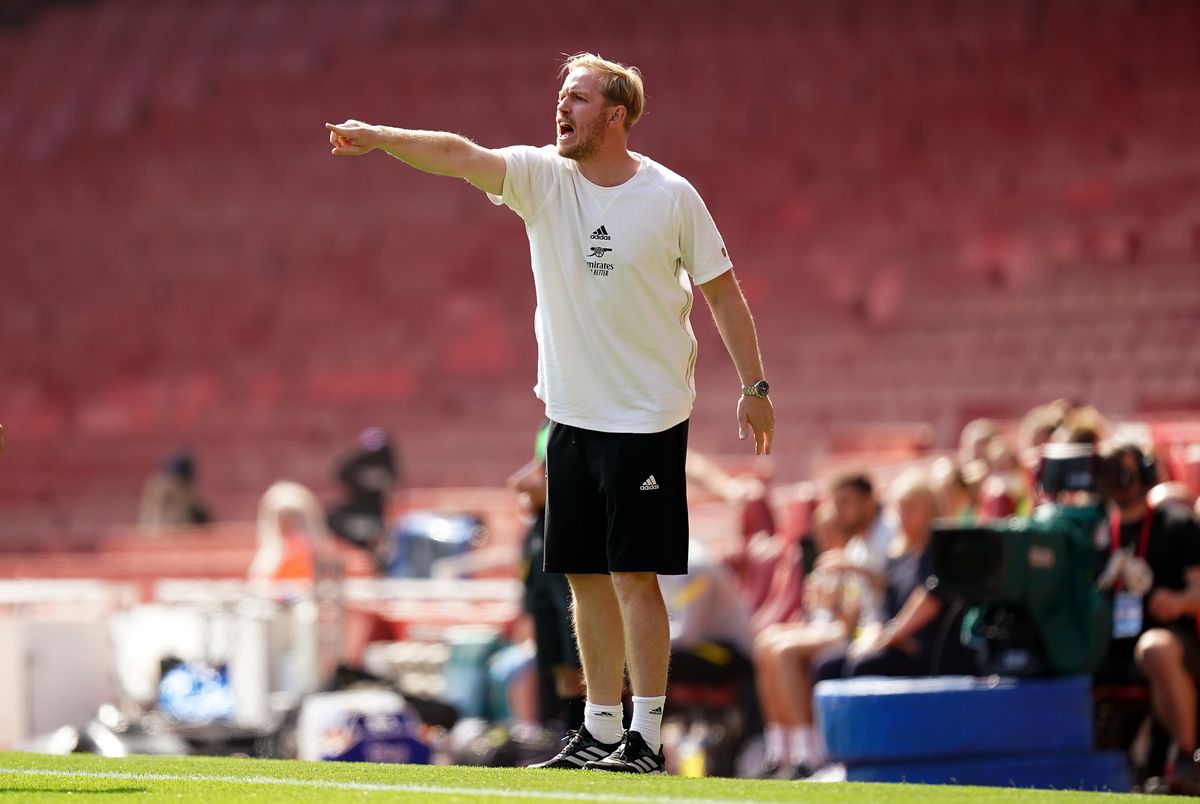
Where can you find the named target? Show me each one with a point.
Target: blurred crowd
(832, 580)
(823, 580)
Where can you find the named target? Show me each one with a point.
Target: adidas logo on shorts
(650, 484)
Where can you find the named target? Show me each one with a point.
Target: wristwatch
(759, 389)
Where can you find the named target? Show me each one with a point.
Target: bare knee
(796, 652)
(1158, 651)
(766, 642)
(589, 584)
(631, 586)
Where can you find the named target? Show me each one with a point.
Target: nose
(562, 104)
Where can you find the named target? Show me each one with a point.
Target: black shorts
(616, 502)
(1120, 666)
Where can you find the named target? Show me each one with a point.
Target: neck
(1134, 510)
(610, 167)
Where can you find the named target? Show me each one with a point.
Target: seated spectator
(296, 551)
(1006, 491)
(710, 670)
(921, 636)
(292, 541)
(710, 622)
(1037, 427)
(957, 489)
(368, 475)
(755, 560)
(870, 531)
(974, 439)
(1081, 424)
(1155, 637)
(783, 653)
(170, 498)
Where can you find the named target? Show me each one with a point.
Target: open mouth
(565, 129)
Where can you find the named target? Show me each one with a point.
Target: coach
(616, 241)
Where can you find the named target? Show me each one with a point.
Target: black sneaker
(770, 769)
(632, 756)
(581, 748)
(1185, 779)
(799, 773)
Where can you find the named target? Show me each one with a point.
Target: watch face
(763, 387)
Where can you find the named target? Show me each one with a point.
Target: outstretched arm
(736, 326)
(437, 152)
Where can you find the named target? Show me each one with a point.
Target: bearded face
(581, 116)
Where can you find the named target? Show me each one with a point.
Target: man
(870, 533)
(170, 497)
(547, 595)
(616, 242)
(1158, 632)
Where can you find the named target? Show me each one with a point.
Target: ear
(616, 117)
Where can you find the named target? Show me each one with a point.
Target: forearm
(736, 326)
(437, 152)
(918, 611)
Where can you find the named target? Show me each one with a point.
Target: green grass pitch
(33, 777)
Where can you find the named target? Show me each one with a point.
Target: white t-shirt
(616, 351)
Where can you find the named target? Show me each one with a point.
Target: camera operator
(1154, 635)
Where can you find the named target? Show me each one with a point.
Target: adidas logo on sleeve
(600, 234)
(650, 484)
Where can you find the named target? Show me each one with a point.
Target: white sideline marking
(369, 786)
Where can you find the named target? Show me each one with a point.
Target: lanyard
(1143, 539)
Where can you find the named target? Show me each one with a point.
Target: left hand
(757, 413)
(881, 640)
(1166, 605)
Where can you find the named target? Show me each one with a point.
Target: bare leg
(766, 674)
(1172, 691)
(523, 697)
(796, 650)
(600, 636)
(568, 681)
(647, 631)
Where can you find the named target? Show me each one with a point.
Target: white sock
(806, 747)
(604, 722)
(775, 742)
(647, 719)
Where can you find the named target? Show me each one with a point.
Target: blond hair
(620, 85)
(914, 483)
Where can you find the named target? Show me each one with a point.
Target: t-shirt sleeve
(1187, 536)
(700, 244)
(529, 176)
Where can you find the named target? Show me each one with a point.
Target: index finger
(768, 437)
(338, 129)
